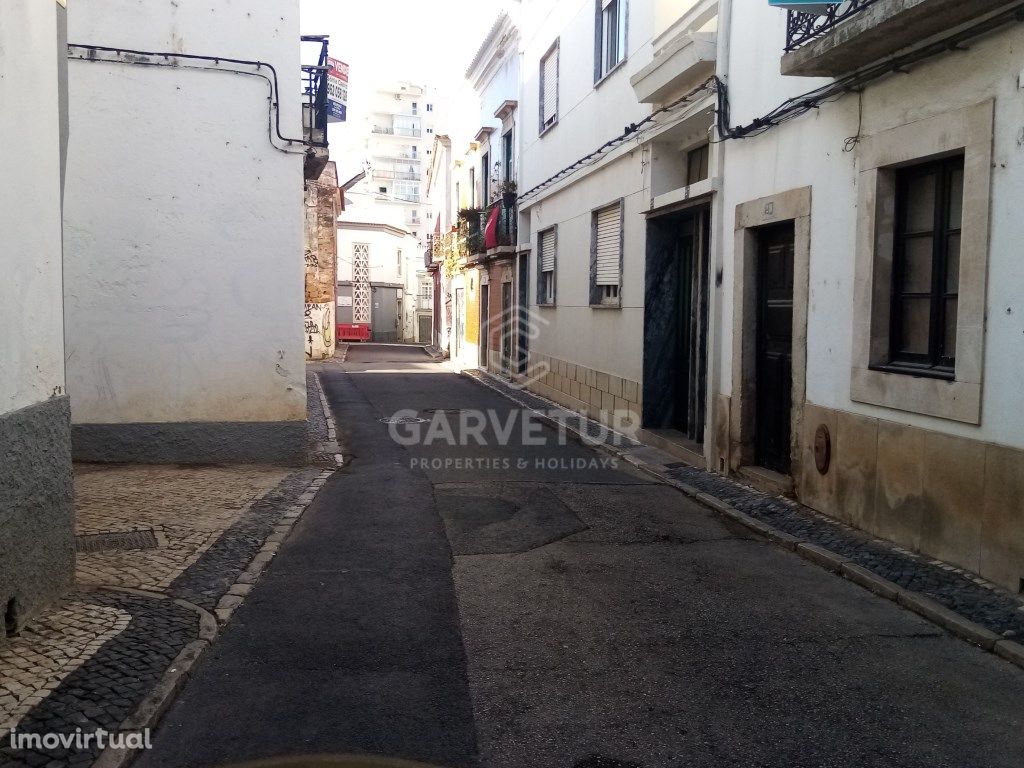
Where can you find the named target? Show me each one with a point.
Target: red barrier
(353, 332)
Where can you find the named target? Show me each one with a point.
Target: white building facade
(871, 302)
(183, 282)
(37, 550)
(782, 251)
(616, 196)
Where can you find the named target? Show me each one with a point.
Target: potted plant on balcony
(509, 195)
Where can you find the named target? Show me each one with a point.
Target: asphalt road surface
(525, 604)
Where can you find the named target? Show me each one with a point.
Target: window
(430, 130)
(472, 187)
(549, 88)
(609, 37)
(697, 164)
(485, 179)
(606, 255)
(382, 190)
(506, 156)
(547, 245)
(430, 107)
(926, 266)
(415, 108)
(400, 259)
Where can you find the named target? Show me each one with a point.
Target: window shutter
(547, 251)
(550, 75)
(608, 246)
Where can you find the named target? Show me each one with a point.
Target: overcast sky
(381, 40)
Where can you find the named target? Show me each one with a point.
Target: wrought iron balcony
(500, 229)
(314, 92)
(855, 33)
(802, 27)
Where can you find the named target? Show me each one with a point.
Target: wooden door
(774, 347)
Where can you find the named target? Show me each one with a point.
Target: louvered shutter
(608, 246)
(550, 79)
(547, 251)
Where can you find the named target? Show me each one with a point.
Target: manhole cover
(102, 542)
(403, 420)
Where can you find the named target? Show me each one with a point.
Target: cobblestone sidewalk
(165, 553)
(994, 610)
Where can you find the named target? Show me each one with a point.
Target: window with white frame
(400, 259)
(549, 88)
(609, 37)
(606, 255)
(546, 259)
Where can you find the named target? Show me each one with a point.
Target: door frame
(793, 205)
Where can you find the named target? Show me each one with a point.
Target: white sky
(382, 40)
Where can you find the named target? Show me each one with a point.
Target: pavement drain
(403, 420)
(122, 540)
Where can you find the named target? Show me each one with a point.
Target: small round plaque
(822, 449)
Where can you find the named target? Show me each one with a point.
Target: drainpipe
(717, 321)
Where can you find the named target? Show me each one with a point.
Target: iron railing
(505, 227)
(802, 27)
(383, 130)
(314, 78)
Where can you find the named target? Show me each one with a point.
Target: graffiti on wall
(319, 331)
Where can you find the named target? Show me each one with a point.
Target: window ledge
(915, 371)
(547, 129)
(606, 306)
(610, 72)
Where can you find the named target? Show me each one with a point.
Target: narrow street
(562, 613)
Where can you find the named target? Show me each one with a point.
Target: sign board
(337, 91)
(344, 301)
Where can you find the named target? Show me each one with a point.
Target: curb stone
(156, 703)
(332, 425)
(923, 606)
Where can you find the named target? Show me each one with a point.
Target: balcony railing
(500, 229)
(802, 27)
(384, 130)
(314, 92)
(387, 173)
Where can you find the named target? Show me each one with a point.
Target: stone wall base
(37, 519)
(274, 442)
(951, 498)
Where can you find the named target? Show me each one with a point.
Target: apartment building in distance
(385, 226)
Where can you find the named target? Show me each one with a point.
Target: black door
(692, 319)
(774, 346)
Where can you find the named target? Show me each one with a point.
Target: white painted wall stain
(183, 225)
(31, 314)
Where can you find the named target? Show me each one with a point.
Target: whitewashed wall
(808, 151)
(607, 340)
(183, 224)
(31, 313)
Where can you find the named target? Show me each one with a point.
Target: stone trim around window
(969, 131)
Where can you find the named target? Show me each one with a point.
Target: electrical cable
(275, 90)
(795, 106)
